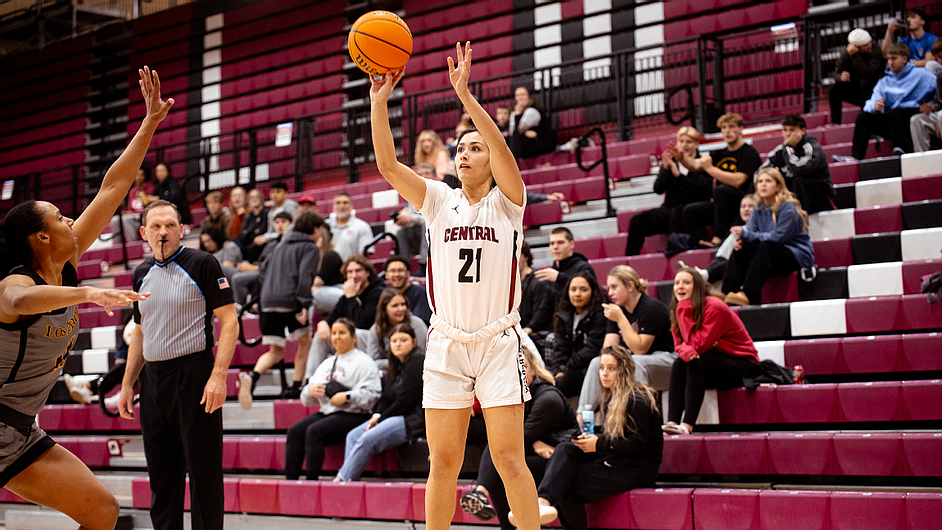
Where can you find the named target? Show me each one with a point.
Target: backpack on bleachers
(766, 372)
(932, 286)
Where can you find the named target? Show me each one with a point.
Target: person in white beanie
(858, 69)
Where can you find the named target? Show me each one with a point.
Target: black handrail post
(621, 107)
(719, 95)
(253, 156)
(75, 191)
(583, 140)
(701, 83)
(812, 65)
(236, 157)
(353, 172)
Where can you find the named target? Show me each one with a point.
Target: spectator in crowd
(306, 203)
(804, 164)
(287, 277)
(640, 323)
(254, 224)
(130, 215)
(427, 170)
(566, 261)
(624, 452)
(918, 42)
(502, 118)
(536, 301)
(279, 196)
(411, 238)
(345, 386)
(895, 100)
(350, 234)
(715, 271)
(529, 133)
(933, 64)
(927, 123)
(680, 187)
(328, 284)
(732, 167)
(227, 253)
(361, 292)
(216, 215)
(248, 274)
(548, 420)
(713, 346)
(392, 310)
(775, 241)
(580, 327)
(166, 188)
(431, 149)
(857, 71)
(398, 417)
(397, 274)
(237, 198)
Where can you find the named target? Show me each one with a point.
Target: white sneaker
(548, 514)
(245, 390)
(81, 394)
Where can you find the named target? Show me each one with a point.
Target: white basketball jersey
(473, 277)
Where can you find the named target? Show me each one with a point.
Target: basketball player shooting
(475, 234)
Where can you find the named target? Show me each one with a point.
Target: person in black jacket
(166, 188)
(398, 417)
(679, 186)
(547, 420)
(254, 224)
(803, 163)
(536, 301)
(857, 71)
(580, 326)
(361, 293)
(624, 452)
(566, 261)
(287, 277)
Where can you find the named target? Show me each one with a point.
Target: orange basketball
(380, 42)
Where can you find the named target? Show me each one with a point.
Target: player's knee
(509, 462)
(104, 515)
(446, 462)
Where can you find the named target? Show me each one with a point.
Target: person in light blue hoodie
(895, 99)
(775, 241)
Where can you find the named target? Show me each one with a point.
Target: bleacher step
(260, 417)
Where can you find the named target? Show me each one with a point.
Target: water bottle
(588, 422)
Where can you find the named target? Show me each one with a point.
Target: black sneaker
(293, 392)
(475, 503)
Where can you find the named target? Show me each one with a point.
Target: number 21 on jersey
(471, 268)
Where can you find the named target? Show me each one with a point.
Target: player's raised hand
(108, 298)
(157, 109)
(381, 86)
(459, 73)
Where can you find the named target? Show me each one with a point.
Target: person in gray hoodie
(286, 294)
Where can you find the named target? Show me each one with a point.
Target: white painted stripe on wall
(212, 92)
(214, 22)
(212, 75)
(212, 58)
(647, 61)
(212, 40)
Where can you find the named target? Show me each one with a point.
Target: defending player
(39, 301)
(475, 234)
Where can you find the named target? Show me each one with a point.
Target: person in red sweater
(714, 349)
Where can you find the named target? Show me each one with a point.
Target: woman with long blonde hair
(431, 149)
(624, 452)
(775, 241)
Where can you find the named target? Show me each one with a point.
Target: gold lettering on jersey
(63, 331)
(471, 233)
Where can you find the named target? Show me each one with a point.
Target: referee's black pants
(180, 438)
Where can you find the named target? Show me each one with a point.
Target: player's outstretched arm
(503, 164)
(121, 175)
(407, 182)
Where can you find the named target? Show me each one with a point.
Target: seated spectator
(397, 274)
(280, 203)
(714, 349)
(166, 188)
(715, 271)
(803, 163)
(431, 149)
(624, 452)
(857, 71)
(536, 301)
(287, 277)
(895, 100)
(328, 284)
(350, 234)
(216, 215)
(566, 261)
(640, 323)
(254, 227)
(249, 270)
(502, 118)
(361, 292)
(932, 64)
(392, 310)
(398, 417)
(775, 241)
(918, 42)
(925, 124)
(679, 186)
(580, 326)
(732, 168)
(411, 237)
(529, 133)
(237, 199)
(346, 386)
(427, 170)
(548, 420)
(306, 203)
(227, 253)
(129, 217)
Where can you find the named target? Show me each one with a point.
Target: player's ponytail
(21, 221)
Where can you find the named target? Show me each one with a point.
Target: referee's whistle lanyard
(171, 258)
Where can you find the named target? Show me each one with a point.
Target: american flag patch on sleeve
(223, 283)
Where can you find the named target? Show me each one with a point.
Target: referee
(182, 385)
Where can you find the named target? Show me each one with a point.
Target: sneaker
(77, 391)
(245, 390)
(293, 392)
(673, 428)
(548, 514)
(475, 503)
(703, 272)
(898, 151)
(843, 159)
(739, 298)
